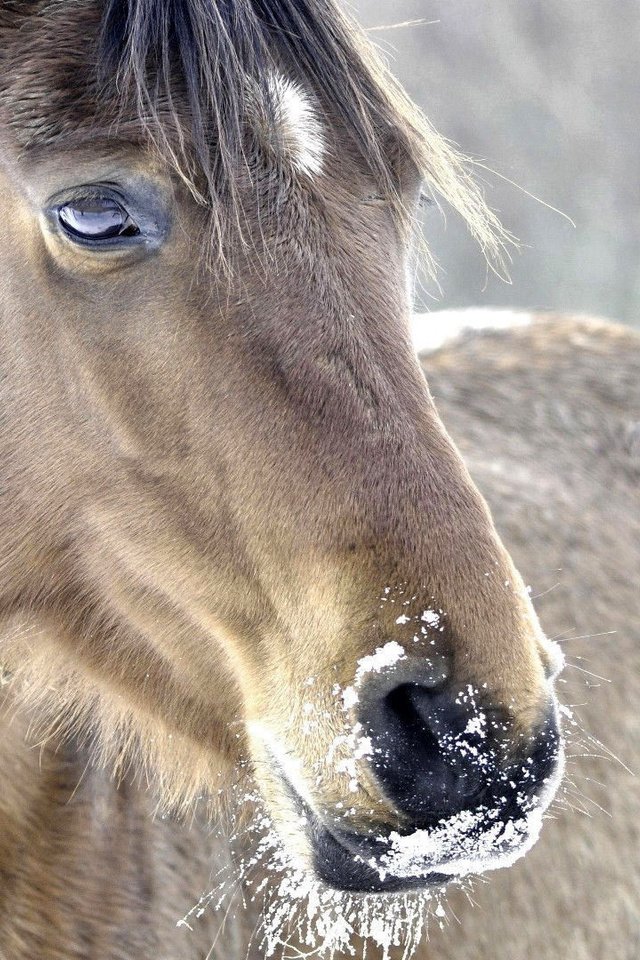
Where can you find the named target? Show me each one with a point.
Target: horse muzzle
(467, 800)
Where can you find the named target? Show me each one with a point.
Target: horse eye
(96, 218)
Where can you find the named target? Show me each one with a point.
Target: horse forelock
(200, 72)
(189, 72)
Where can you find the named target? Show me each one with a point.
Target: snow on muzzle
(492, 828)
(469, 788)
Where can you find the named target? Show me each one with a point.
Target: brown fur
(211, 476)
(547, 418)
(168, 438)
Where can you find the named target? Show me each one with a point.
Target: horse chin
(348, 864)
(337, 858)
(347, 861)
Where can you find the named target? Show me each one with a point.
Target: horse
(545, 395)
(244, 566)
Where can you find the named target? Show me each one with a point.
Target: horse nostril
(410, 703)
(437, 752)
(429, 756)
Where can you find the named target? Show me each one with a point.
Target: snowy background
(546, 93)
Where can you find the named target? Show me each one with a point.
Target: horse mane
(216, 57)
(190, 71)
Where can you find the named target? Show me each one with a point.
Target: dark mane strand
(215, 56)
(193, 75)
(212, 55)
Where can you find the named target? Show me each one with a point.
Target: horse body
(546, 416)
(88, 868)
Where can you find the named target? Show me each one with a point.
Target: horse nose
(427, 756)
(437, 752)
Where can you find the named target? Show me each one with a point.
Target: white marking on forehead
(298, 125)
(430, 331)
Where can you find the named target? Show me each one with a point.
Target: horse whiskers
(589, 673)
(588, 636)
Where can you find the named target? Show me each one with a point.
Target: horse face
(238, 477)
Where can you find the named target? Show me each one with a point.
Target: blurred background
(545, 93)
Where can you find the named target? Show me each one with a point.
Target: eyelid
(90, 191)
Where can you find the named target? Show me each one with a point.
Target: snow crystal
(299, 911)
(431, 618)
(477, 724)
(384, 656)
(349, 698)
(469, 842)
